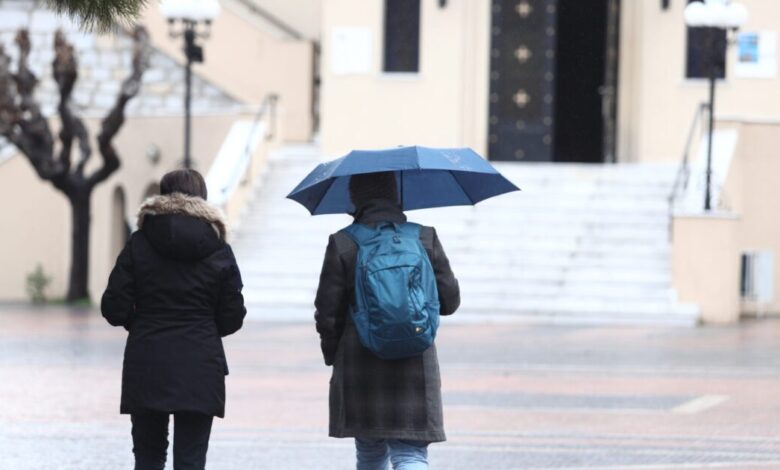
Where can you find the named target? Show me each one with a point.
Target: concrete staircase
(579, 244)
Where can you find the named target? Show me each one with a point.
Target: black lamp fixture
(195, 17)
(714, 16)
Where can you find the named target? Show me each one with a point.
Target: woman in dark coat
(176, 288)
(393, 409)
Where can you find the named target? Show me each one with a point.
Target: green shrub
(37, 282)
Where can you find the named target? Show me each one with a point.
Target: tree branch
(116, 117)
(29, 128)
(65, 71)
(9, 111)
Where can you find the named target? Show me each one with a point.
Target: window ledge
(699, 82)
(400, 76)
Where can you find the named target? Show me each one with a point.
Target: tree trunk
(78, 288)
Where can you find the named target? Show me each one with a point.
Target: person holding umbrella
(391, 407)
(384, 282)
(176, 289)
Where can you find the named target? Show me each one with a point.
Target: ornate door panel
(522, 80)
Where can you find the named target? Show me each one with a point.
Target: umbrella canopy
(426, 177)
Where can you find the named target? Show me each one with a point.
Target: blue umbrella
(426, 177)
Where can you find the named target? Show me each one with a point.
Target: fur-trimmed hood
(182, 227)
(178, 203)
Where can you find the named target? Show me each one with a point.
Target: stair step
(678, 315)
(454, 246)
(479, 293)
(466, 260)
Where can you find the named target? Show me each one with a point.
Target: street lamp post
(714, 15)
(195, 17)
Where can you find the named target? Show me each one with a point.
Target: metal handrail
(272, 19)
(683, 172)
(268, 105)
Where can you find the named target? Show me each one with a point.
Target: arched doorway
(120, 229)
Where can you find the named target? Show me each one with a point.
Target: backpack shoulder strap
(411, 229)
(359, 233)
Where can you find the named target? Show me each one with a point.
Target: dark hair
(186, 181)
(368, 186)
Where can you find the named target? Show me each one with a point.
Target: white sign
(350, 51)
(756, 55)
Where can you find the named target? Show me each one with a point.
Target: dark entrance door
(581, 66)
(553, 80)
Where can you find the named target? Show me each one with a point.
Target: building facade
(530, 80)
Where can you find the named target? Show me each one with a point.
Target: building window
(402, 36)
(698, 59)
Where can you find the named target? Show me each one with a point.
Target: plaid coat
(371, 397)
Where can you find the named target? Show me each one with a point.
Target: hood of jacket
(182, 227)
(379, 210)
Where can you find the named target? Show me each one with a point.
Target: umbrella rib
(471, 200)
(324, 194)
(401, 177)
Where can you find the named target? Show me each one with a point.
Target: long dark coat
(177, 289)
(371, 397)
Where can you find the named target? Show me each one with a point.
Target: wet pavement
(515, 396)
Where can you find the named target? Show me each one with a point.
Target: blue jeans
(373, 454)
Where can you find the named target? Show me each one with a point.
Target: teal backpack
(396, 310)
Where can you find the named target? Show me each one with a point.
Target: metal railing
(246, 163)
(272, 19)
(683, 175)
(267, 106)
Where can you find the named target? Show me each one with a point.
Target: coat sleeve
(332, 301)
(446, 283)
(230, 307)
(118, 302)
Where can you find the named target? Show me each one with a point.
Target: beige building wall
(657, 102)
(302, 15)
(249, 63)
(752, 191)
(705, 267)
(36, 222)
(445, 104)
(707, 248)
(42, 215)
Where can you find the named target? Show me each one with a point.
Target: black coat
(371, 397)
(177, 289)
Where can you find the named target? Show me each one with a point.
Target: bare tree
(23, 124)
